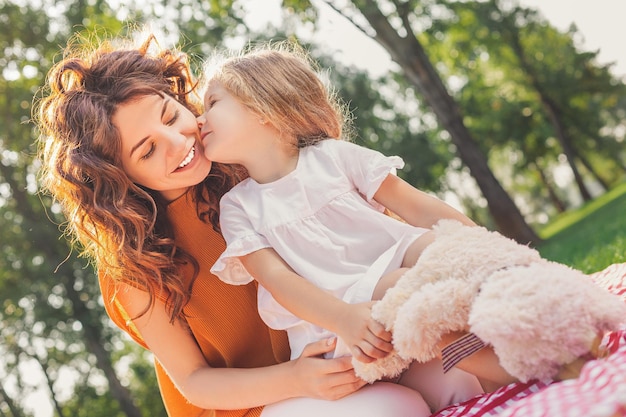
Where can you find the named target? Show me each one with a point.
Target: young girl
(309, 223)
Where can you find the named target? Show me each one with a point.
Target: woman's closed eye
(150, 151)
(173, 119)
(168, 122)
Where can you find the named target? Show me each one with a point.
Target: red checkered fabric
(613, 278)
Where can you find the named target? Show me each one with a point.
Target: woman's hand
(326, 379)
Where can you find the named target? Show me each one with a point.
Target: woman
(122, 155)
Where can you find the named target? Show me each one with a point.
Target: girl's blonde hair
(120, 225)
(280, 82)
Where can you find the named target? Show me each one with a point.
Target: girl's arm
(234, 388)
(366, 338)
(414, 206)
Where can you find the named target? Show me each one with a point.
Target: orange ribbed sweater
(223, 318)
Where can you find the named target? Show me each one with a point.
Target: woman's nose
(173, 145)
(173, 138)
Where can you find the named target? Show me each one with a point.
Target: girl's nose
(200, 120)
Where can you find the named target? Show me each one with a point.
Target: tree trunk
(4, 398)
(593, 135)
(558, 204)
(551, 108)
(409, 54)
(92, 333)
(50, 384)
(555, 118)
(592, 171)
(93, 341)
(49, 381)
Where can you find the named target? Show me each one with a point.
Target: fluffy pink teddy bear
(537, 315)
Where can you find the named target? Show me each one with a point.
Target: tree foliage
(516, 81)
(531, 94)
(397, 27)
(53, 335)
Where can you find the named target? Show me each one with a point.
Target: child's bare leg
(440, 389)
(410, 259)
(387, 281)
(483, 363)
(486, 365)
(417, 247)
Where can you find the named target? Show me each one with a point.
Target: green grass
(591, 237)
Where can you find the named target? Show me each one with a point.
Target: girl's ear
(263, 121)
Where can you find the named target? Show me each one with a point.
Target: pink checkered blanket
(599, 391)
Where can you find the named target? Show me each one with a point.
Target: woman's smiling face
(161, 147)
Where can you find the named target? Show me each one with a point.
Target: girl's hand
(326, 379)
(366, 338)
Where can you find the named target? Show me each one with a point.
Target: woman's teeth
(189, 157)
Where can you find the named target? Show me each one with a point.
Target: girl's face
(231, 132)
(161, 147)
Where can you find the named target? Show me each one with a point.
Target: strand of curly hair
(121, 226)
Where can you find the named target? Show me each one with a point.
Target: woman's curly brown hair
(120, 225)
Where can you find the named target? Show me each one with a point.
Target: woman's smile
(190, 156)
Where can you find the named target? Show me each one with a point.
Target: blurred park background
(494, 109)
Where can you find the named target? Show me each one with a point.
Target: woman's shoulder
(113, 296)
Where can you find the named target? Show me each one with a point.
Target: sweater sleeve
(175, 403)
(115, 310)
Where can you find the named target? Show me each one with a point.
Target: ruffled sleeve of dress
(365, 167)
(241, 239)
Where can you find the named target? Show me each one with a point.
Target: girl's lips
(203, 136)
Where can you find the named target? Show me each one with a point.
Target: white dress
(322, 220)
